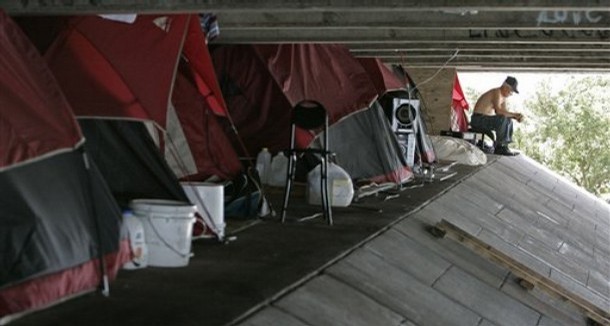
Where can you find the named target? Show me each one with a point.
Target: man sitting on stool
(490, 113)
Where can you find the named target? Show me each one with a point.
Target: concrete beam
(422, 47)
(578, 31)
(351, 36)
(583, 59)
(475, 66)
(564, 20)
(542, 61)
(446, 53)
(547, 60)
(509, 62)
(496, 68)
(499, 63)
(63, 7)
(486, 56)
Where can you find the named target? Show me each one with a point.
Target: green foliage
(472, 95)
(569, 131)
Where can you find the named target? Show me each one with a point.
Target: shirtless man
(490, 113)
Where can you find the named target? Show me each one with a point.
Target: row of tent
(114, 111)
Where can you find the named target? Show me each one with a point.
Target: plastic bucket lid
(163, 206)
(201, 183)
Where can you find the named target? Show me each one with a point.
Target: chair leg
(324, 191)
(479, 138)
(481, 144)
(290, 172)
(327, 207)
(289, 179)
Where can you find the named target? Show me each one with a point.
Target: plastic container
(340, 186)
(263, 164)
(168, 227)
(278, 172)
(137, 241)
(209, 199)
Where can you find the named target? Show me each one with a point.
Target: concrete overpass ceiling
(537, 35)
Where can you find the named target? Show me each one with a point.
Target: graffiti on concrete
(555, 20)
(547, 17)
(590, 35)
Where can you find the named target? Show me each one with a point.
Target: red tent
(113, 69)
(384, 79)
(261, 84)
(196, 50)
(273, 78)
(325, 73)
(459, 105)
(156, 69)
(49, 251)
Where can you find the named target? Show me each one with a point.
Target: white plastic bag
(456, 149)
(340, 186)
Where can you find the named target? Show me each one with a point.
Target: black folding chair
(309, 115)
(482, 133)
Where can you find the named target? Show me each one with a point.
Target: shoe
(504, 150)
(487, 149)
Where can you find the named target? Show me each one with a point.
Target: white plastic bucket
(209, 199)
(168, 227)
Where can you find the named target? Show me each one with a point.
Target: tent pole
(104, 281)
(250, 159)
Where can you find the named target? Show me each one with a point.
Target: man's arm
(500, 107)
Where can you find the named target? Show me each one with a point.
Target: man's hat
(512, 82)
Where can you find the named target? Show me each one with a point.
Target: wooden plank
(273, 316)
(522, 271)
(328, 301)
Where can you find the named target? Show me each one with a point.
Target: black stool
(309, 115)
(481, 133)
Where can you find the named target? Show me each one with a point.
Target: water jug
(137, 242)
(263, 164)
(278, 171)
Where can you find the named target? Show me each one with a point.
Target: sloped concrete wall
(436, 96)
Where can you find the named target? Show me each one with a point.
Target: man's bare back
(487, 103)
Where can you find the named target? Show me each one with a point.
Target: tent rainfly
(50, 252)
(156, 70)
(261, 84)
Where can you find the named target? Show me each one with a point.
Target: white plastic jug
(137, 242)
(263, 164)
(340, 186)
(278, 171)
